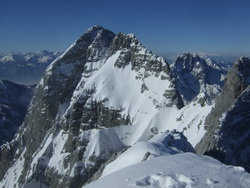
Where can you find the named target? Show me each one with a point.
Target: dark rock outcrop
(228, 124)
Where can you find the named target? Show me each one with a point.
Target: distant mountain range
(25, 68)
(110, 113)
(220, 57)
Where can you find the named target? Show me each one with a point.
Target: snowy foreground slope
(160, 162)
(180, 170)
(105, 100)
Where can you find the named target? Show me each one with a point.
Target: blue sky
(161, 25)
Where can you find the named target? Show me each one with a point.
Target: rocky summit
(108, 99)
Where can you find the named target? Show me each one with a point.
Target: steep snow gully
(110, 113)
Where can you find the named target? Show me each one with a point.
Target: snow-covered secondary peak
(7, 58)
(196, 76)
(188, 61)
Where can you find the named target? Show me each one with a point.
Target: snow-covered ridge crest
(167, 143)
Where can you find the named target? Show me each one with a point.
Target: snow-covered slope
(14, 101)
(180, 170)
(167, 143)
(25, 68)
(106, 93)
(160, 162)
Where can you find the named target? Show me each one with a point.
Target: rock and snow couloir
(97, 102)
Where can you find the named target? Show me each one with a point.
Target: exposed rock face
(227, 136)
(68, 132)
(196, 76)
(14, 101)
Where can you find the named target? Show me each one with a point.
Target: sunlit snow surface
(120, 89)
(167, 143)
(155, 164)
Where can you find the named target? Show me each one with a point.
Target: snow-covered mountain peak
(102, 81)
(7, 58)
(107, 94)
(196, 75)
(94, 28)
(93, 32)
(79, 47)
(124, 41)
(186, 62)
